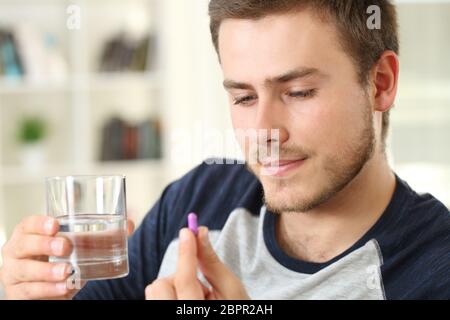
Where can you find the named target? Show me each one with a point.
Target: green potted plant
(32, 132)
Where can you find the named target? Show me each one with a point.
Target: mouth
(280, 168)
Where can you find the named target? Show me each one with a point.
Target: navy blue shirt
(405, 254)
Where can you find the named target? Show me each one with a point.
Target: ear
(385, 81)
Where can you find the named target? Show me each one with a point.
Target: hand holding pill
(196, 253)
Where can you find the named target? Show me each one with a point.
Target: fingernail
(184, 236)
(59, 271)
(57, 246)
(61, 287)
(49, 225)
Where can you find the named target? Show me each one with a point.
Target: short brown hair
(365, 46)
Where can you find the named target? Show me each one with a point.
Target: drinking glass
(91, 211)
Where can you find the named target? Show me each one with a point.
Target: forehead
(276, 43)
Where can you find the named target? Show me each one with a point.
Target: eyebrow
(288, 76)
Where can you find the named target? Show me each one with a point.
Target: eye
(245, 100)
(302, 94)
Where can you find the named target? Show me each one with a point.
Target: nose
(271, 116)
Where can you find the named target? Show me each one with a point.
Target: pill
(192, 222)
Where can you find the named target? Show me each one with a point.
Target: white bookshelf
(78, 106)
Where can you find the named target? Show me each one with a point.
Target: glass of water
(91, 211)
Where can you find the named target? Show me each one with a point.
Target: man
(328, 219)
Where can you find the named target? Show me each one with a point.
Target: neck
(328, 230)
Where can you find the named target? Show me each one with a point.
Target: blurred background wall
(132, 87)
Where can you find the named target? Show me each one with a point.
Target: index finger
(186, 282)
(41, 225)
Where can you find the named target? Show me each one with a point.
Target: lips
(278, 163)
(280, 167)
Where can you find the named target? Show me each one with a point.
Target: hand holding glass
(91, 211)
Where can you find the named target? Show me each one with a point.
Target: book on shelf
(122, 53)
(125, 141)
(10, 60)
(27, 53)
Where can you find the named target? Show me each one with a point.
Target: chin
(282, 197)
(295, 194)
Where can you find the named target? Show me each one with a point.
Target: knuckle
(17, 248)
(182, 282)
(19, 274)
(152, 289)
(22, 226)
(160, 283)
(24, 246)
(10, 274)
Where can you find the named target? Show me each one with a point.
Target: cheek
(241, 121)
(236, 117)
(330, 126)
(310, 125)
(242, 118)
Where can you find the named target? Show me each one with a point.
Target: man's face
(288, 72)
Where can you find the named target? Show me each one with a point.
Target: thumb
(225, 283)
(186, 283)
